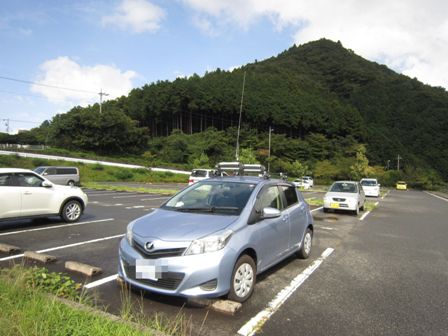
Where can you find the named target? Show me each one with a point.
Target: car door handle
(27, 193)
(285, 218)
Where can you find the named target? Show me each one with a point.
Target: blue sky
(117, 45)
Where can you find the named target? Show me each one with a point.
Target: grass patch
(315, 201)
(370, 205)
(93, 185)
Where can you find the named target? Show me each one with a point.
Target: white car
(309, 180)
(202, 174)
(302, 183)
(23, 193)
(345, 195)
(370, 187)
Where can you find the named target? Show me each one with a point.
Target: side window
(5, 180)
(290, 195)
(50, 171)
(28, 180)
(270, 197)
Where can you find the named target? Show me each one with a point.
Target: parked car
(345, 195)
(302, 183)
(214, 237)
(23, 193)
(401, 185)
(309, 179)
(202, 174)
(60, 175)
(370, 186)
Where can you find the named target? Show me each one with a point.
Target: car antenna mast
(237, 152)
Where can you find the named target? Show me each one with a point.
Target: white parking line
(154, 198)
(365, 215)
(255, 324)
(325, 228)
(384, 196)
(135, 207)
(101, 281)
(316, 209)
(108, 194)
(64, 246)
(437, 196)
(56, 226)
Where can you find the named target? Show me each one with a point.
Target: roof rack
(241, 169)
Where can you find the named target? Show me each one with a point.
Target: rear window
(199, 173)
(344, 187)
(369, 183)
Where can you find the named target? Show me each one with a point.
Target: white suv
(23, 193)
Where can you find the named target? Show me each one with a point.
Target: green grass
(315, 201)
(27, 308)
(93, 185)
(97, 172)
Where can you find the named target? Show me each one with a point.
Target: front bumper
(204, 275)
(344, 205)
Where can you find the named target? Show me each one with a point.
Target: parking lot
(94, 241)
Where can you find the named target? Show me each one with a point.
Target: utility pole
(237, 152)
(101, 93)
(6, 124)
(269, 149)
(398, 161)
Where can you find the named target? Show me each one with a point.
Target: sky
(57, 54)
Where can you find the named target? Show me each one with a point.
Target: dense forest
(328, 108)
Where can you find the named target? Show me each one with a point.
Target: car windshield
(344, 187)
(199, 173)
(369, 183)
(212, 197)
(39, 170)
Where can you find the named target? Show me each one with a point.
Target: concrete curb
(44, 258)
(82, 268)
(5, 248)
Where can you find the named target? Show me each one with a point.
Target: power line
(46, 85)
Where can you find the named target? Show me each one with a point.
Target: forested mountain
(321, 99)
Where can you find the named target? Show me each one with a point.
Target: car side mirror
(269, 212)
(47, 184)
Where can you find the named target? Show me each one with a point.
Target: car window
(270, 197)
(28, 180)
(50, 171)
(5, 180)
(344, 187)
(199, 173)
(39, 170)
(368, 183)
(290, 195)
(66, 171)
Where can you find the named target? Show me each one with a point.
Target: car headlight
(210, 243)
(129, 232)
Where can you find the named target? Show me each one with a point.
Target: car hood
(341, 195)
(179, 226)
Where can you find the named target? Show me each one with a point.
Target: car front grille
(338, 199)
(156, 254)
(168, 280)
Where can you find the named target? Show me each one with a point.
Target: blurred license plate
(334, 205)
(146, 269)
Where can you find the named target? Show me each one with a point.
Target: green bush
(40, 162)
(124, 174)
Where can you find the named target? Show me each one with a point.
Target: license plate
(146, 269)
(334, 205)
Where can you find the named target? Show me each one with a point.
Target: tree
(360, 168)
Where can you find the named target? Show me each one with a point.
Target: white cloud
(410, 36)
(139, 16)
(86, 82)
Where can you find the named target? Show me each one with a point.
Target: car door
(9, 197)
(271, 235)
(36, 200)
(296, 210)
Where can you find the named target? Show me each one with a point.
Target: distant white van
(60, 175)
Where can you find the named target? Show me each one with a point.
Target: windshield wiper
(203, 209)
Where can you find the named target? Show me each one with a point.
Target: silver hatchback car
(214, 237)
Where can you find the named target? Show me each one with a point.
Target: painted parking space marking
(437, 196)
(257, 322)
(101, 281)
(57, 226)
(317, 209)
(130, 195)
(325, 228)
(384, 196)
(65, 246)
(365, 215)
(135, 207)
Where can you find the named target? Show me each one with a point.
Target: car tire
(362, 208)
(71, 183)
(71, 211)
(243, 279)
(307, 244)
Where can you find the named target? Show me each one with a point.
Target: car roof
(354, 182)
(368, 179)
(14, 170)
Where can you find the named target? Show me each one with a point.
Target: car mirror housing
(269, 212)
(47, 184)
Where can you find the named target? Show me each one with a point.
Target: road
(385, 275)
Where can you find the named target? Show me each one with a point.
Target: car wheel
(307, 244)
(71, 211)
(71, 183)
(243, 279)
(362, 208)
